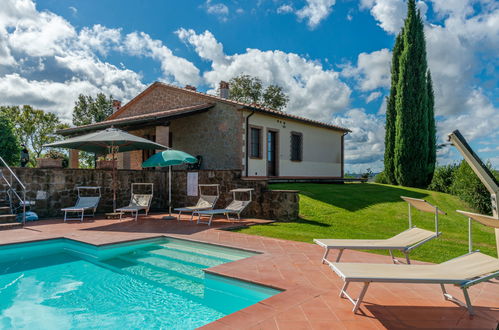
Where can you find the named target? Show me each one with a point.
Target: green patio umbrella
(169, 158)
(108, 141)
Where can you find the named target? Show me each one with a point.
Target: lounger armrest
(480, 279)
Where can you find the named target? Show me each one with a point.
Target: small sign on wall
(192, 183)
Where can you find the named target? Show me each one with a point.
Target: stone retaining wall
(53, 189)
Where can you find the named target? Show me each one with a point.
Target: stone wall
(216, 135)
(53, 189)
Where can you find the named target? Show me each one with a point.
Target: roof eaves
(136, 119)
(281, 114)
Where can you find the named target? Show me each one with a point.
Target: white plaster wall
(321, 149)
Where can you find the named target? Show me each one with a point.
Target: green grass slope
(376, 211)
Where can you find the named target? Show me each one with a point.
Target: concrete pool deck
(311, 297)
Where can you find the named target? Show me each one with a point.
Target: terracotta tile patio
(310, 298)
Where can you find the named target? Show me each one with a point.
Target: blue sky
(331, 56)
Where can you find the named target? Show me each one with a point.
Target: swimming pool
(148, 284)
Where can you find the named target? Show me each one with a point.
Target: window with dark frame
(255, 142)
(296, 147)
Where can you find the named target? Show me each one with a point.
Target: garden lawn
(376, 211)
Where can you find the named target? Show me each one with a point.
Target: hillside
(376, 211)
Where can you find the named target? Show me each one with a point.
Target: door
(271, 153)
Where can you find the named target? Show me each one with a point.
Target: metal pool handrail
(11, 189)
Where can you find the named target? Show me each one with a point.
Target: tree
(9, 144)
(88, 110)
(248, 89)
(411, 149)
(33, 127)
(432, 130)
(391, 114)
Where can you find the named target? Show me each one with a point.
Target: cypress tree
(432, 130)
(411, 124)
(391, 113)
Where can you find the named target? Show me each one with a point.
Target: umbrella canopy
(108, 141)
(100, 142)
(168, 158)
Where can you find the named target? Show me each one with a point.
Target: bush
(443, 178)
(381, 178)
(470, 189)
(9, 145)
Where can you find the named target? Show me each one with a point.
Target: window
(296, 146)
(255, 142)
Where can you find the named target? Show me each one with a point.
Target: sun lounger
(404, 242)
(205, 201)
(463, 272)
(235, 207)
(83, 204)
(138, 202)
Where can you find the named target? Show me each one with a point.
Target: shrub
(9, 145)
(442, 178)
(381, 178)
(470, 189)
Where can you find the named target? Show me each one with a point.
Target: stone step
(7, 218)
(4, 210)
(13, 225)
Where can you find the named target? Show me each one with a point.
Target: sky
(332, 57)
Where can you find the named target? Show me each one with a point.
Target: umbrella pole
(169, 216)
(114, 181)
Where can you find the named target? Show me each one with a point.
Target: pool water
(150, 284)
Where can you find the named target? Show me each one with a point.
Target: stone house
(228, 135)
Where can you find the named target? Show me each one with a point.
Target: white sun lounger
(205, 201)
(464, 272)
(405, 242)
(138, 202)
(235, 207)
(83, 204)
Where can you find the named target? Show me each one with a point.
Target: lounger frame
(135, 209)
(192, 209)
(464, 285)
(419, 204)
(229, 210)
(81, 210)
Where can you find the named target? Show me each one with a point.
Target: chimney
(116, 105)
(190, 87)
(224, 89)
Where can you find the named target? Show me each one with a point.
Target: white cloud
(314, 91)
(285, 9)
(174, 68)
(218, 9)
(372, 70)
(461, 46)
(365, 145)
(206, 46)
(74, 11)
(389, 13)
(373, 96)
(46, 62)
(315, 11)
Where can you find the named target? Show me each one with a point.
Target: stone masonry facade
(53, 189)
(216, 135)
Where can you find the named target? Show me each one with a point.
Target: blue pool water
(150, 284)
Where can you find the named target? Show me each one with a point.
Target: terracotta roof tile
(257, 107)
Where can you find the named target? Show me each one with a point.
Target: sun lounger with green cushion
(405, 242)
